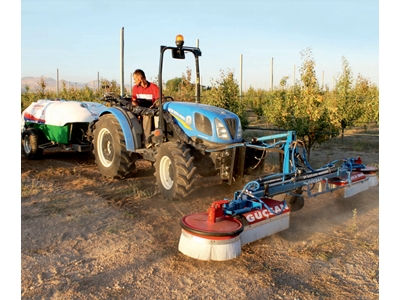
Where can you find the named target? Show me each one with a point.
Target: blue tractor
(189, 139)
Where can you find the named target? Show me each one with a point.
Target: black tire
(295, 201)
(175, 172)
(30, 144)
(110, 152)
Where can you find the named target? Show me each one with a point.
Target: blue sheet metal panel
(184, 115)
(125, 125)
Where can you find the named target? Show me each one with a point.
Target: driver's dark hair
(139, 72)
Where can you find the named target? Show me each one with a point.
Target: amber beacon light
(179, 41)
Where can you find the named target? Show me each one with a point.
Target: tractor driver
(145, 94)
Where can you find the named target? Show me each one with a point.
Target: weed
(87, 210)
(324, 255)
(373, 274)
(367, 246)
(135, 190)
(353, 224)
(112, 229)
(129, 215)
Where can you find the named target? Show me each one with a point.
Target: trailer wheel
(30, 144)
(110, 152)
(174, 170)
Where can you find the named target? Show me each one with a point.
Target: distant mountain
(33, 83)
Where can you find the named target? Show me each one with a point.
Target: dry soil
(84, 236)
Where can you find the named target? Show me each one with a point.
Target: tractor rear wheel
(110, 152)
(175, 172)
(30, 144)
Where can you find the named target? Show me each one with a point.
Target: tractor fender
(130, 127)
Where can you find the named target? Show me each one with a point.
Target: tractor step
(81, 147)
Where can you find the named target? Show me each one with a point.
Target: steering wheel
(164, 99)
(111, 98)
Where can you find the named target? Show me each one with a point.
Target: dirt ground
(84, 236)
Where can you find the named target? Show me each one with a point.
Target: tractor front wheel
(175, 172)
(110, 152)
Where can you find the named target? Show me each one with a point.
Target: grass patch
(352, 143)
(359, 146)
(56, 205)
(30, 189)
(322, 250)
(135, 190)
(112, 229)
(129, 214)
(368, 246)
(326, 256)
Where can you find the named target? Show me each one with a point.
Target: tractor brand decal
(260, 215)
(179, 118)
(188, 120)
(176, 114)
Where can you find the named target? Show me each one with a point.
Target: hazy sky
(82, 37)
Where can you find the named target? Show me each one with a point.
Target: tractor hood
(206, 122)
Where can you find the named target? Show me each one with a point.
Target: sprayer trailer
(264, 205)
(57, 123)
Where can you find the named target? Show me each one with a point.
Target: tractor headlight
(239, 131)
(222, 132)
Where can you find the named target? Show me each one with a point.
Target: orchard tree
(254, 100)
(349, 106)
(367, 94)
(41, 87)
(27, 97)
(302, 107)
(186, 88)
(181, 88)
(64, 93)
(224, 93)
(110, 86)
(172, 86)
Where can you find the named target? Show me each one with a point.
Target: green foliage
(367, 95)
(254, 100)
(316, 114)
(302, 107)
(348, 104)
(40, 92)
(67, 93)
(173, 85)
(181, 89)
(224, 93)
(28, 97)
